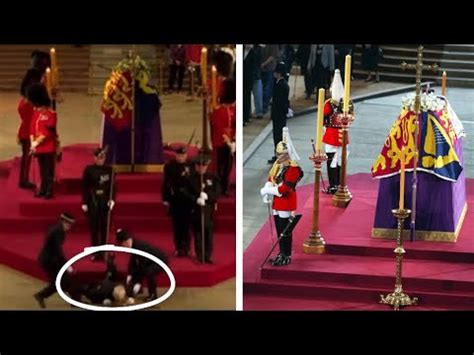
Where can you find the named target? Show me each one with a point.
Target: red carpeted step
(357, 267)
(24, 220)
(15, 225)
(148, 205)
(425, 275)
(21, 251)
(256, 302)
(126, 183)
(344, 292)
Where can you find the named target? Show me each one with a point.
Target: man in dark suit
(139, 267)
(202, 189)
(52, 259)
(280, 105)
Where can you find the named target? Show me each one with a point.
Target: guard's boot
(286, 260)
(278, 260)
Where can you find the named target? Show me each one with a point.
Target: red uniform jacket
(222, 122)
(286, 181)
(333, 135)
(43, 123)
(25, 110)
(193, 53)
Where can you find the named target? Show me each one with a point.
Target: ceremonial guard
(333, 134)
(52, 259)
(98, 197)
(202, 189)
(139, 267)
(43, 137)
(282, 180)
(223, 133)
(25, 111)
(176, 172)
(280, 104)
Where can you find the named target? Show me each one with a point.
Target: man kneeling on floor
(140, 267)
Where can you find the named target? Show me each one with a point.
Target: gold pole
(398, 298)
(132, 167)
(161, 77)
(343, 196)
(205, 124)
(315, 243)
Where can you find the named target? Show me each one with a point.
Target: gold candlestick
(315, 243)
(398, 298)
(343, 196)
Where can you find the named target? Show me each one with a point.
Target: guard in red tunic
(223, 133)
(282, 180)
(25, 111)
(43, 137)
(333, 134)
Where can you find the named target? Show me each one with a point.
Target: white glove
(266, 199)
(107, 302)
(201, 202)
(129, 278)
(111, 204)
(84, 208)
(290, 113)
(34, 145)
(232, 147)
(70, 270)
(270, 190)
(203, 195)
(136, 289)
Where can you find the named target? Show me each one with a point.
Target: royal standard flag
(435, 145)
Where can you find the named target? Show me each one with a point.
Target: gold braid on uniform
(278, 167)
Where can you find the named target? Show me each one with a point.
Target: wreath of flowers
(428, 102)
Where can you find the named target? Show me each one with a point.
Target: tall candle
(402, 179)
(48, 81)
(214, 86)
(347, 83)
(54, 71)
(320, 117)
(204, 66)
(443, 84)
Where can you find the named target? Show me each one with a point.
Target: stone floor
(374, 117)
(17, 294)
(79, 119)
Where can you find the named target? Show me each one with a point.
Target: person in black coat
(370, 61)
(139, 267)
(280, 105)
(202, 189)
(98, 195)
(176, 172)
(249, 61)
(51, 259)
(302, 57)
(109, 292)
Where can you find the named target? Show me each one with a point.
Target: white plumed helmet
(337, 88)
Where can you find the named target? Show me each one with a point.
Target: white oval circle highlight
(110, 247)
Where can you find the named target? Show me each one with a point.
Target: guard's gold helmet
(282, 148)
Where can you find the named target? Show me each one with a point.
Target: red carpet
(24, 220)
(356, 268)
